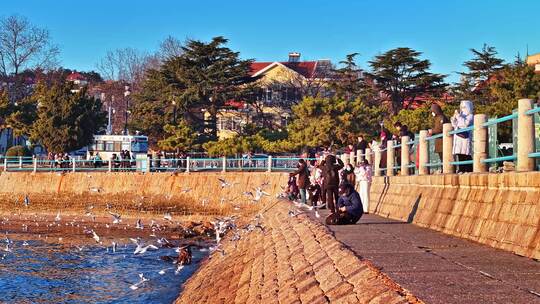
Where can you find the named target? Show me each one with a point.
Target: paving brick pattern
(295, 260)
(499, 210)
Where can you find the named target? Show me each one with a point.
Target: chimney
(294, 57)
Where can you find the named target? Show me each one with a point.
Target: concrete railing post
(73, 165)
(359, 156)
(352, 158)
(5, 164)
(345, 158)
(423, 153)
(479, 143)
(35, 165)
(405, 160)
(20, 162)
(110, 166)
(188, 164)
(377, 162)
(390, 158)
(525, 140)
(148, 165)
(368, 156)
(224, 164)
(447, 143)
(269, 164)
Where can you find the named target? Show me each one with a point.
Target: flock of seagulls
(218, 228)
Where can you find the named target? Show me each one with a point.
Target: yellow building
(534, 60)
(280, 85)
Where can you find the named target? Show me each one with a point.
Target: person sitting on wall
(349, 207)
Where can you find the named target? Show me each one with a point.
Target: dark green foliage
(204, 76)
(16, 151)
(402, 76)
(60, 120)
(326, 121)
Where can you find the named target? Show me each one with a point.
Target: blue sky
(267, 30)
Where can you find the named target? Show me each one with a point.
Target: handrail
(498, 159)
(533, 111)
(432, 137)
(462, 130)
(499, 120)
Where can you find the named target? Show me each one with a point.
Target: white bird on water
(57, 218)
(141, 281)
(139, 224)
(26, 201)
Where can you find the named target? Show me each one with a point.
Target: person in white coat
(363, 179)
(462, 147)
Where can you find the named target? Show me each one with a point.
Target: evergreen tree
(180, 137)
(473, 84)
(484, 63)
(203, 77)
(347, 82)
(66, 120)
(403, 76)
(326, 121)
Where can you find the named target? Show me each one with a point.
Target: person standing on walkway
(363, 177)
(331, 168)
(361, 146)
(439, 119)
(303, 179)
(462, 147)
(349, 207)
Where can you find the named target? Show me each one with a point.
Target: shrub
(18, 151)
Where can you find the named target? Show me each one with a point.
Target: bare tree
(170, 47)
(127, 64)
(23, 45)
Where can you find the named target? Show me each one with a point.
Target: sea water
(45, 271)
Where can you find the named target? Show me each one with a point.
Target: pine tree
(203, 77)
(403, 76)
(474, 83)
(66, 121)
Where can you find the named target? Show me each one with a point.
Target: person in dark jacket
(303, 179)
(439, 119)
(349, 206)
(331, 180)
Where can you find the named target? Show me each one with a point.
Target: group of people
(328, 182)
(462, 141)
(58, 160)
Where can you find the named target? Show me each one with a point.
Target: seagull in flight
(140, 248)
(142, 279)
(225, 184)
(168, 216)
(116, 217)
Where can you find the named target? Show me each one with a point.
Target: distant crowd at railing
(465, 142)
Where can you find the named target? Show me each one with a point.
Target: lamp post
(127, 92)
(174, 111)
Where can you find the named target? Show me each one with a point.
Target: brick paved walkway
(295, 260)
(438, 268)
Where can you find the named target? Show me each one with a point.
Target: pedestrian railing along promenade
(221, 164)
(404, 158)
(524, 153)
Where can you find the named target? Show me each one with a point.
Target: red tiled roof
(75, 76)
(304, 68)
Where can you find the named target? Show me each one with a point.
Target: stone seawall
(499, 210)
(126, 192)
(293, 260)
